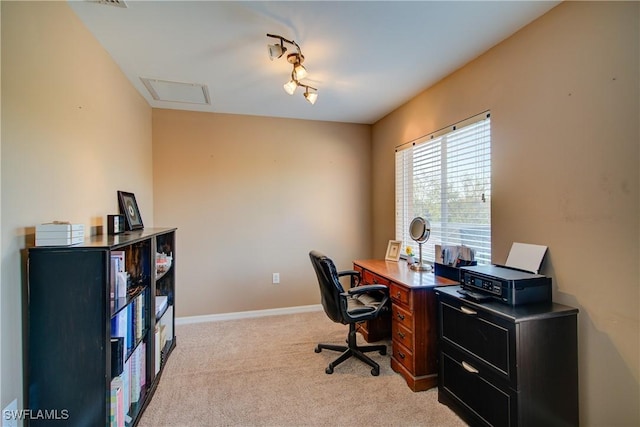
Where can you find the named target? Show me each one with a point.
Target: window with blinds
(445, 177)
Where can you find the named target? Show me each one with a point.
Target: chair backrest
(330, 286)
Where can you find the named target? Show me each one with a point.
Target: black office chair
(358, 304)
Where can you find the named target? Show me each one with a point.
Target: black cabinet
(508, 366)
(74, 309)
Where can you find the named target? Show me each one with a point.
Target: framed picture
(393, 250)
(129, 208)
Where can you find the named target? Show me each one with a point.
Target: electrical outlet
(276, 278)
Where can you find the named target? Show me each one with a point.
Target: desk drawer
(403, 355)
(400, 294)
(370, 278)
(401, 316)
(402, 335)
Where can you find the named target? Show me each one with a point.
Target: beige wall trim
(247, 314)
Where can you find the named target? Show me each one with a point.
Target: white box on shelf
(60, 227)
(59, 234)
(167, 321)
(157, 349)
(161, 303)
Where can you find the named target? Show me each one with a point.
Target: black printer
(505, 284)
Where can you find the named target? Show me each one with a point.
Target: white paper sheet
(526, 257)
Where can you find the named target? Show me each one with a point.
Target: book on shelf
(143, 366)
(137, 378)
(116, 418)
(139, 318)
(120, 328)
(126, 385)
(117, 356)
(135, 375)
(119, 276)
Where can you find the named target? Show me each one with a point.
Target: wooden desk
(414, 335)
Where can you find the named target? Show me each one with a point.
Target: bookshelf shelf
(97, 343)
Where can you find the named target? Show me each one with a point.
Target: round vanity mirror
(420, 230)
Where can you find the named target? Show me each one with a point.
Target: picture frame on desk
(393, 250)
(129, 208)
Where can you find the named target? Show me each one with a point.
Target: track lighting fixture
(290, 86)
(295, 59)
(310, 96)
(276, 50)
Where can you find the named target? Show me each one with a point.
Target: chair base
(352, 349)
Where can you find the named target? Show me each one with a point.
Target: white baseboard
(247, 314)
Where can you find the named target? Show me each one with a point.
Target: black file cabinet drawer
(486, 337)
(501, 365)
(486, 399)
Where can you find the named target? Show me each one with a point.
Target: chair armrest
(355, 276)
(368, 288)
(364, 289)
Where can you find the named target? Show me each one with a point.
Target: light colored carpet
(264, 372)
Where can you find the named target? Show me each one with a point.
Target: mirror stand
(419, 265)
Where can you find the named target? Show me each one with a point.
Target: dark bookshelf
(73, 311)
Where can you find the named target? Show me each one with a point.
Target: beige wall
(564, 98)
(74, 131)
(251, 196)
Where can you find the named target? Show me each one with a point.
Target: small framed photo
(115, 224)
(393, 250)
(129, 208)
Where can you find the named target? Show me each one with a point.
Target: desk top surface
(400, 272)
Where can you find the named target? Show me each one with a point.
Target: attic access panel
(165, 90)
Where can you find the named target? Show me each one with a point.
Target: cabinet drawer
(403, 355)
(402, 335)
(401, 316)
(371, 278)
(482, 335)
(400, 294)
(490, 403)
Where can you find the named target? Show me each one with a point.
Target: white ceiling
(365, 57)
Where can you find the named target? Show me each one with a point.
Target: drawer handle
(469, 368)
(398, 295)
(401, 335)
(400, 316)
(401, 354)
(468, 311)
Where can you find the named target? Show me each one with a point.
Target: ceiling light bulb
(276, 51)
(299, 71)
(311, 97)
(290, 86)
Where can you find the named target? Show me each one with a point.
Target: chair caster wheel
(317, 349)
(383, 352)
(329, 370)
(375, 372)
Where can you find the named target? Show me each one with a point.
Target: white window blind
(445, 177)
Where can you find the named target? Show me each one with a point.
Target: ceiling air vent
(118, 3)
(190, 93)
